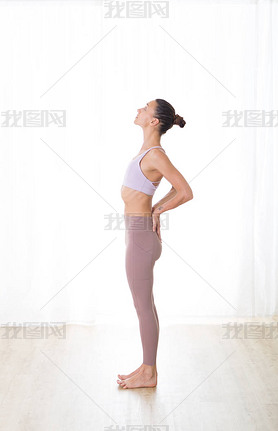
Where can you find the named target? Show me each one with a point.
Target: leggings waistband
(138, 222)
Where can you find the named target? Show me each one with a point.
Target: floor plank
(205, 382)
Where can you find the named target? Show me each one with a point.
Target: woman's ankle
(149, 368)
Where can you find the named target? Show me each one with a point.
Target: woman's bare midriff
(136, 203)
(139, 203)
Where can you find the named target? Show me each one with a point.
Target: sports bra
(136, 180)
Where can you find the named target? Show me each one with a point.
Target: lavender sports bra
(135, 179)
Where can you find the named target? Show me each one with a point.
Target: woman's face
(145, 114)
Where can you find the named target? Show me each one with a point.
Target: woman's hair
(167, 117)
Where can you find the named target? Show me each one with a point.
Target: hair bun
(179, 120)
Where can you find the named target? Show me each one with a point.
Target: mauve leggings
(143, 248)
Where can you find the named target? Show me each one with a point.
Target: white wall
(219, 259)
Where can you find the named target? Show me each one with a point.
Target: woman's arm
(172, 200)
(181, 191)
(166, 198)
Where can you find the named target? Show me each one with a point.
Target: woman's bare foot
(127, 376)
(145, 378)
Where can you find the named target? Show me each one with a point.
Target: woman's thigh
(143, 248)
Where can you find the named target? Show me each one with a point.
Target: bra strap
(143, 154)
(152, 148)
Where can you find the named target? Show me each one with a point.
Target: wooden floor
(205, 381)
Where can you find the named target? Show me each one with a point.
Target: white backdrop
(58, 184)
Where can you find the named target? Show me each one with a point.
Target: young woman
(142, 223)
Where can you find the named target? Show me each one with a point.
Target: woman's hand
(156, 223)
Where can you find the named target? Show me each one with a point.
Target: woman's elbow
(187, 196)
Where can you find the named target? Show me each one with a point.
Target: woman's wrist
(157, 210)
